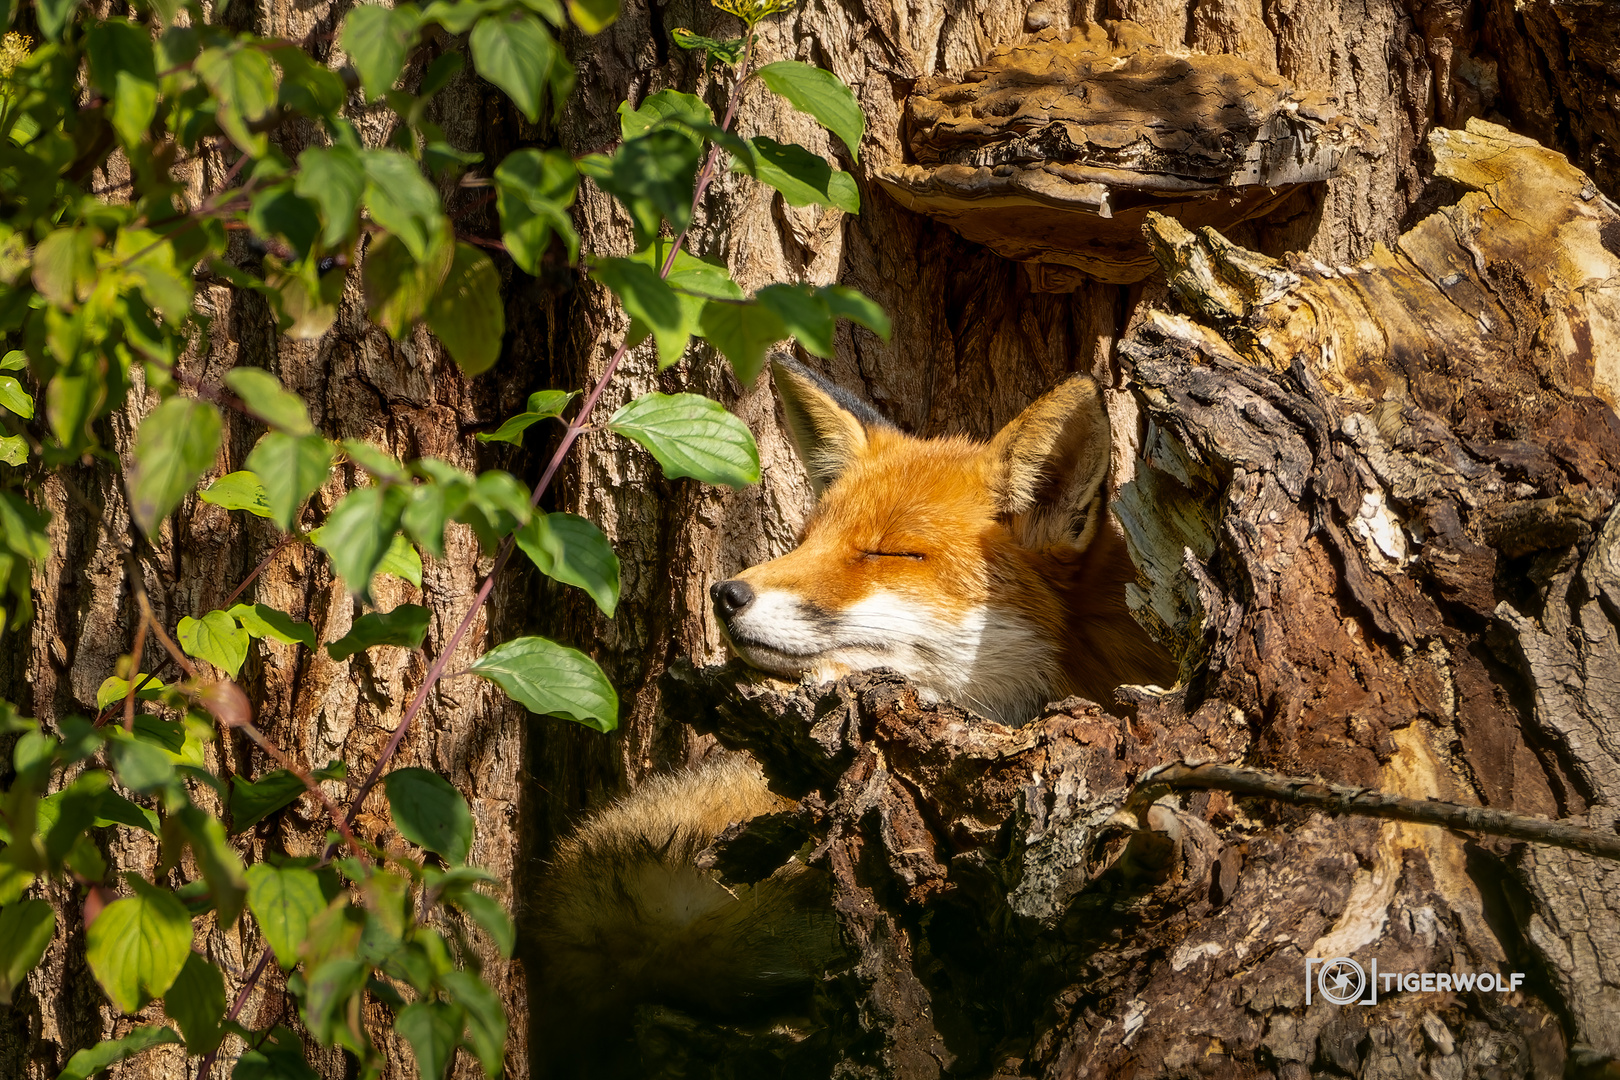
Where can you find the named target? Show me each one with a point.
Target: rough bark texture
(408, 397)
(1324, 660)
(1378, 574)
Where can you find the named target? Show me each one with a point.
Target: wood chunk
(1054, 151)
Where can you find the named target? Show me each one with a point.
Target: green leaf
(691, 435)
(405, 626)
(358, 533)
(329, 989)
(290, 468)
(334, 178)
(569, 549)
(140, 764)
(26, 929)
(515, 52)
(243, 84)
(496, 506)
(533, 191)
(261, 392)
(649, 300)
(467, 313)
(489, 913)
(486, 1018)
(434, 1031)
(804, 313)
(398, 288)
(727, 52)
(283, 901)
(430, 813)
(820, 93)
(54, 16)
(64, 266)
(196, 1002)
(847, 303)
(653, 176)
(542, 406)
(13, 451)
(261, 621)
(137, 946)
(665, 105)
(215, 638)
(113, 690)
(377, 39)
(743, 332)
(121, 63)
(253, 801)
(279, 212)
(104, 1055)
(374, 459)
(802, 177)
(552, 680)
(279, 1058)
(221, 866)
(402, 201)
(593, 16)
(176, 445)
(114, 809)
(239, 490)
(402, 561)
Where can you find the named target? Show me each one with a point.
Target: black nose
(730, 597)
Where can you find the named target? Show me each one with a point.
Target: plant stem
(575, 427)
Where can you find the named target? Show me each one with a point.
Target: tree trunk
(974, 342)
(408, 397)
(1008, 923)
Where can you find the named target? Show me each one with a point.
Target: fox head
(962, 565)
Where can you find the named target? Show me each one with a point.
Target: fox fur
(988, 573)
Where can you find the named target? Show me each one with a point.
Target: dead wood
(1376, 519)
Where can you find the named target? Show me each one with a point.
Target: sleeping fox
(988, 573)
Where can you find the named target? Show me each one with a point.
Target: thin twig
(236, 1008)
(281, 544)
(135, 667)
(1337, 799)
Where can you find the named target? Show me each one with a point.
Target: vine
(98, 303)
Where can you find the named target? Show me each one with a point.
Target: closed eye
(917, 555)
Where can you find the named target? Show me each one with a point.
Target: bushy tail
(626, 917)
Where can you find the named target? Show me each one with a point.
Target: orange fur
(922, 554)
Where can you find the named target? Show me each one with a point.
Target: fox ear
(828, 425)
(1051, 462)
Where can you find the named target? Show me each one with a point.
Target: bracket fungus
(1055, 150)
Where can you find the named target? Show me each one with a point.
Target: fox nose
(730, 597)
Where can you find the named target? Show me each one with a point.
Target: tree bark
(974, 342)
(1369, 586)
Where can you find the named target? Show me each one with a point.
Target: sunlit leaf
(569, 549)
(137, 945)
(405, 627)
(552, 679)
(820, 93)
(691, 435)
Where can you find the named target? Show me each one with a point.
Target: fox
(990, 574)
(987, 574)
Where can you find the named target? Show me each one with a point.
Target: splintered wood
(1055, 150)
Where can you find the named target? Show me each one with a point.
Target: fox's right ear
(828, 425)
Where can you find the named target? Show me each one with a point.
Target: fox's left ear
(1051, 462)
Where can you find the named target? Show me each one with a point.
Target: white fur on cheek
(990, 659)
